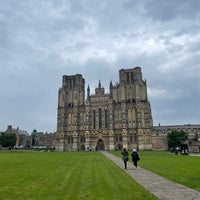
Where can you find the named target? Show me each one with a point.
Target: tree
(176, 138)
(8, 139)
(34, 132)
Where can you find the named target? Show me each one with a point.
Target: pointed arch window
(100, 118)
(106, 118)
(94, 119)
(127, 78)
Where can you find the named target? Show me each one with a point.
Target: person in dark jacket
(135, 157)
(125, 157)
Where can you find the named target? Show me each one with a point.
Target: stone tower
(71, 99)
(120, 119)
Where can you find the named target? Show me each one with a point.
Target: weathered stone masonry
(120, 119)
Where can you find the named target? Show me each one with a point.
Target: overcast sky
(42, 40)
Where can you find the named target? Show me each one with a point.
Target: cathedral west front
(104, 121)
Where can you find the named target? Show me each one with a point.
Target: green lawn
(66, 175)
(178, 168)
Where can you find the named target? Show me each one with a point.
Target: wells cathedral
(104, 121)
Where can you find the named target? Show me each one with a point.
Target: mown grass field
(182, 169)
(66, 175)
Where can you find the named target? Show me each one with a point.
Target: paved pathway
(157, 185)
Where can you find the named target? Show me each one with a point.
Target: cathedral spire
(99, 84)
(111, 84)
(88, 91)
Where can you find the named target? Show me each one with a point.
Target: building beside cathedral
(104, 121)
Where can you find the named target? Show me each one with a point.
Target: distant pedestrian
(135, 157)
(125, 157)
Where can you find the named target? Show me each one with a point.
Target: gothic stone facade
(120, 119)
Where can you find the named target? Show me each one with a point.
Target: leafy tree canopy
(34, 132)
(176, 138)
(8, 139)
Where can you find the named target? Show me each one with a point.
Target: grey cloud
(40, 41)
(171, 10)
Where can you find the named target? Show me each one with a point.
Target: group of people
(134, 155)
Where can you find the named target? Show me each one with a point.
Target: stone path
(157, 185)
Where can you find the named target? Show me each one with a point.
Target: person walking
(135, 157)
(125, 157)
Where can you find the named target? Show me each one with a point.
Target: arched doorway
(82, 147)
(118, 147)
(100, 145)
